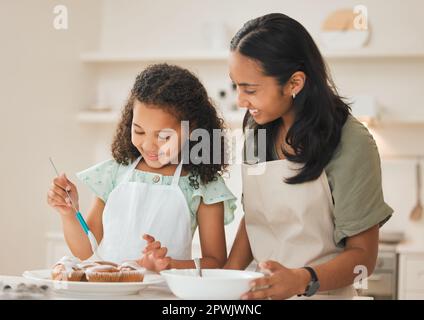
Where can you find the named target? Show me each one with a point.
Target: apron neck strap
(131, 169)
(177, 174)
(175, 178)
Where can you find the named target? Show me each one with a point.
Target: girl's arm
(360, 251)
(210, 219)
(241, 254)
(75, 236)
(212, 242)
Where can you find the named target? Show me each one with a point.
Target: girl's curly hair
(180, 93)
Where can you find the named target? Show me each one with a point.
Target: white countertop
(153, 292)
(410, 247)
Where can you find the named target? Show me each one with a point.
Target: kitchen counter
(154, 292)
(410, 247)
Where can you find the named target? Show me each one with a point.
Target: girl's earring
(294, 95)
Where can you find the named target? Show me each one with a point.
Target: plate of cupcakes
(99, 278)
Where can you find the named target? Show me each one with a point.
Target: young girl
(149, 188)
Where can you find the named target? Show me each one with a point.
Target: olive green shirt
(354, 176)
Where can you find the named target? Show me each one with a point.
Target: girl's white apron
(135, 208)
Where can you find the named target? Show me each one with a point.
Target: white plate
(92, 288)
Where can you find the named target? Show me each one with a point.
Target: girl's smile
(152, 157)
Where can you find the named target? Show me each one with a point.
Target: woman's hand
(58, 199)
(281, 283)
(154, 255)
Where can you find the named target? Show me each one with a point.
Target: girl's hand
(154, 258)
(281, 283)
(58, 199)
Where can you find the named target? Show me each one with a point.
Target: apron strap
(175, 178)
(131, 169)
(177, 174)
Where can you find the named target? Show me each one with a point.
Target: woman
(312, 217)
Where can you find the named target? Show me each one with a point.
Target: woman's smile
(254, 112)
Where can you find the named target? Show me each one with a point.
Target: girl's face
(265, 98)
(156, 134)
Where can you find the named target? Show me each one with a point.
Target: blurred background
(66, 68)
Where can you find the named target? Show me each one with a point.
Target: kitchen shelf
(222, 56)
(373, 54)
(112, 117)
(400, 121)
(231, 118)
(98, 117)
(104, 57)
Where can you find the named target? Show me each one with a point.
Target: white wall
(43, 86)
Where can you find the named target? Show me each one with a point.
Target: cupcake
(108, 263)
(67, 269)
(85, 265)
(131, 271)
(103, 273)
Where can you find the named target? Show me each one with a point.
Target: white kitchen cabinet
(414, 296)
(411, 272)
(56, 248)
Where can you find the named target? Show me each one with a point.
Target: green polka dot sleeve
(214, 192)
(100, 178)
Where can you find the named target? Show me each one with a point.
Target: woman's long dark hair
(282, 46)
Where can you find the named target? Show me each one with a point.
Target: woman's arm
(241, 254)
(75, 236)
(360, 250)
(212, 241)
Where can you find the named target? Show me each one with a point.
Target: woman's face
(156, 134)
(265, 98)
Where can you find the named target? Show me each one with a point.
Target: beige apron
(290, 224)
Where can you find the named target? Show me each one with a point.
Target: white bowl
(216, 284)
(344, 40)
